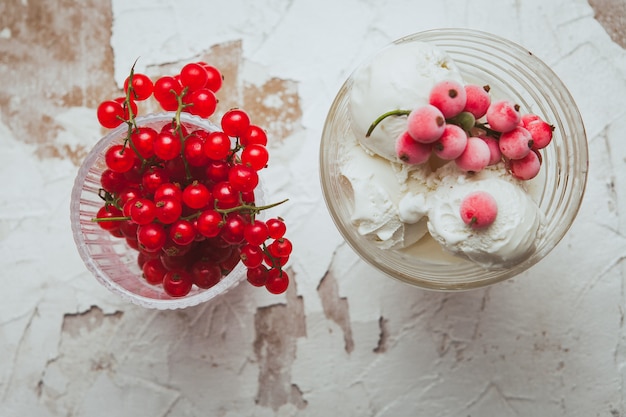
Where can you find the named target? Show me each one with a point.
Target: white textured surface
(344, 340)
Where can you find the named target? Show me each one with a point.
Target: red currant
(196, 195)
(168, 189)
(256, 232)
(235, 122)
(193, 76)
(232, 231)
(110, 114)
(153, 178)
(202, 102)
(151, 237)
(217, 146)
(254, 135)
(177, 283)
(217, 171)
(142, 86)
(251, 255)
(168, 210)
(214, 78)
(277, 281)
(142, 210)
(193, 151)
(257, 276)
(276, 228)
(243, 178)
(154, 271)
(143, 139)
(205, 274)
(106, 212)
(225, 196)
(280, 248)
(167, 145)
(166, 89)
(112, 181)
(255, 156)
(129, 229)
(209, 223)
(182, 232)
(119, 158)
(229, 263)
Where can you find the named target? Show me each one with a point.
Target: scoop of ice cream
(509, 240)
(399, 77)
(377, 187)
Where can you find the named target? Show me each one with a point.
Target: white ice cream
(509, 240)
(398, 78)
(377, 187)
(394, 204)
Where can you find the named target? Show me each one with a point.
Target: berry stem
(251, 208)
(383, 116)
(178, 129)
(110, 219)
(493, 133)
(132, 124)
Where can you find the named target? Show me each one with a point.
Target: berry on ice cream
(436, 157)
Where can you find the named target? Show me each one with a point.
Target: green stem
(383, 117)
(178, 126)
(494, 133)
(253, 209)
(110, 219)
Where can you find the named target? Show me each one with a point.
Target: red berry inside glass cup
(177, 283)
(184, 196)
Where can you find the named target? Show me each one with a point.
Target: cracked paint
(612, 16)
(277, 329)
(56, 55)
(336, 308)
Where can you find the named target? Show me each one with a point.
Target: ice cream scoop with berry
(457, 161)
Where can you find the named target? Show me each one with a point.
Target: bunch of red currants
(184, 196)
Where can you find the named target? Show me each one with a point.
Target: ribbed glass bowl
(515, 73)
(110, 259)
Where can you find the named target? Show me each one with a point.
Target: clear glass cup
(110, 259)
(513, 72)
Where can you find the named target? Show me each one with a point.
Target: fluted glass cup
(110, 259)
(516, 73)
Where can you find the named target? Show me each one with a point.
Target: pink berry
(526, 168)
(516, 144)
(478, 100)
(494, 149)
(449, 97)
(451, 144)
(425, 124)
(527, 118)
(503, 116)
(410, 151)
(475, 157)
(541, 132)
(479, 209)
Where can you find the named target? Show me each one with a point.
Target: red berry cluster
(450, 127)
(183, 196)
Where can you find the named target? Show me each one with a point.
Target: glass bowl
(512, 72)
(110, 259)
